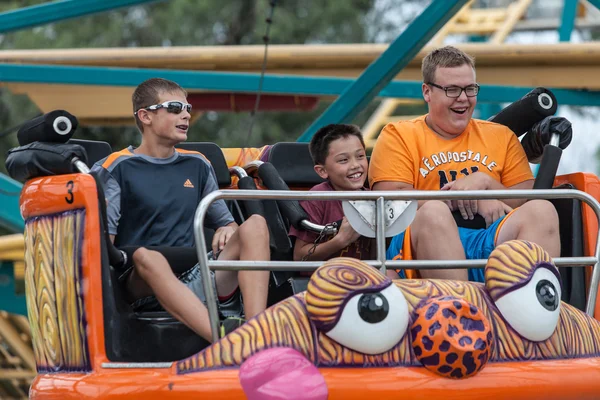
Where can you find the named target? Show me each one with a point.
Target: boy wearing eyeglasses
(448, 150)
(152, 193)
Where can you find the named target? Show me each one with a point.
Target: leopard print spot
(451, 337)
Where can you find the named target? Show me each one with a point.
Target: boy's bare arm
(344, 238)
(322, 252)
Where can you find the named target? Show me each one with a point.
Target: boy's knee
(144, 261)
(540, 213)
(255, 226)
(434, 214)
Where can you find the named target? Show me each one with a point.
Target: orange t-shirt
(410, 152)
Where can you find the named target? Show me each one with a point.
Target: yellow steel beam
(302, 59)
(19, 271)
(373, 125)
(451, 25)
(9, 374)
(13, 339)
(12, 255)
(515, 13)
(12, 242)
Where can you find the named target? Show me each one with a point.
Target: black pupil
(62, 126)
(373, 307)
(546, 294)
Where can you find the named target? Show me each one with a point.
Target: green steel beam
(10, 216)
(567, 23)
(273, 84)
(10, 301)
(381, 71)
(57, 11)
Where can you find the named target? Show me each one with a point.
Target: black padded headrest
(42, 159)
(294, 164)
(215, 156)
(96, 150)
(56, 126)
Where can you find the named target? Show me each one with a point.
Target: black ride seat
(294, 165)
(96, 150)
(214, 154)
(570, 220)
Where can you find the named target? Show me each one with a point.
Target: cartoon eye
(533, 310)
(372, 323)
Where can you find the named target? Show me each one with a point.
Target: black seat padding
(214, 154)
(95, 150)
(570, 221)
(294, 163)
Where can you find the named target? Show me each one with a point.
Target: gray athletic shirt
(152, 201)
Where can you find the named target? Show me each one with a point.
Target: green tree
(207, 22)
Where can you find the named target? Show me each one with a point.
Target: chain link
(331, 227)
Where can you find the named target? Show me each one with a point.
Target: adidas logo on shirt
(188, 184)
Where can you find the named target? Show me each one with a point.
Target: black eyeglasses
(456, 91)
(173, 107)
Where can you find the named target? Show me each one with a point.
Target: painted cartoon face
(353, 316)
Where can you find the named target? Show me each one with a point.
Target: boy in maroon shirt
(338, 152)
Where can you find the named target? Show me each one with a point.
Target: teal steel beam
(10, 301)
(381, 71)
(248, 83)
(10, 216)
(567, 23)
(57, 11)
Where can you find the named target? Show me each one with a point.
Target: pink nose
(282, 373)
(451, 337)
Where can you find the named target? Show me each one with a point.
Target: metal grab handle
(80, 165)
(406, 195)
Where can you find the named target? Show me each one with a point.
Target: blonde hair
(445, 57)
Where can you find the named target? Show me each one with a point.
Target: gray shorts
(231, 307)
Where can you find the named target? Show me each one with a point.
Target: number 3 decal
(70, 198)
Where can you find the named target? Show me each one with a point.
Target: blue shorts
(477, 243)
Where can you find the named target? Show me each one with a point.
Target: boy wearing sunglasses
(448, 150)
(152, 192)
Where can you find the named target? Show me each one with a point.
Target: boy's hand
(346, 234)
(221, 237)
(491, 210)
(476, 181)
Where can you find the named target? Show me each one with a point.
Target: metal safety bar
(406, 195)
